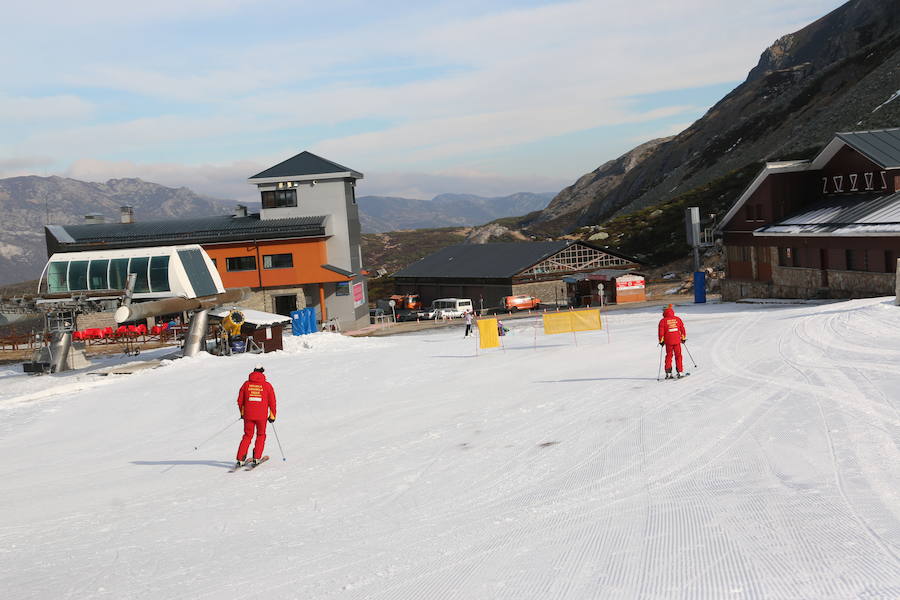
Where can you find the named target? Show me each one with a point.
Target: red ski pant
(249, 427)
(676, 350)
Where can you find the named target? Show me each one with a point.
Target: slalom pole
(197, 447)
(689, 353)
(659, 372)
(279, 441)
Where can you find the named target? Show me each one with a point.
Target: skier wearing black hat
(256, 401)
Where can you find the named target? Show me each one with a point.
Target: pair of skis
(249, 466)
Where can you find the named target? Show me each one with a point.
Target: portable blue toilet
(303, 321)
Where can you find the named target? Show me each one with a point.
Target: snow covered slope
(417, 470)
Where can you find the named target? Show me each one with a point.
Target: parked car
(444, 308)
(521, 302)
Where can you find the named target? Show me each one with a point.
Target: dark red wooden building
(825, 228)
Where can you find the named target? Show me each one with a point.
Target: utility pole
(692, 233)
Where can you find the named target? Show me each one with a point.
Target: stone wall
(548, 291)
(99, 320)
(264, 300)
(796, 282)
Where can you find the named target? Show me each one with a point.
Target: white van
(447, 308)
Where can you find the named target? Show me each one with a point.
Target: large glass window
(139, 266)
(159, 274)
(118, 273)
(78, 275)
(56, 277)
(279, 198)
(97, 274)
(241, 263)
(342, 288)
(278, 261)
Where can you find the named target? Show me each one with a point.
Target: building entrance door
(284, 305)
(823, 261)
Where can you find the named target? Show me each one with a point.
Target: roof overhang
(313, 177)
(830, 234)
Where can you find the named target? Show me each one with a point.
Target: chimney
(94, 219)
(240, 211)
(127, 214)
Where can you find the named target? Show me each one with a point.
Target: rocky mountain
(28, 203)
(378, 214)
(840, 73)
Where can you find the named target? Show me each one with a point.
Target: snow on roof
(253, 317)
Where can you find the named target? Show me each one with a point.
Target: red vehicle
(520, 302)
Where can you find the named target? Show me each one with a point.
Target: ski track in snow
(416, 470)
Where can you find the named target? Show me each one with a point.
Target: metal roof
(881, 146)
(305, 163)
(223, 228)
(488, 261)
(843, 215)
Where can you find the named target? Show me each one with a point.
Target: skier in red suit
(256, 401)
(672, 334)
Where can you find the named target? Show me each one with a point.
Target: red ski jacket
(256, 400)
(671, 329)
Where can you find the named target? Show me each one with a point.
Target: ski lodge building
(486, 273)
(301, 250)
(825, 228)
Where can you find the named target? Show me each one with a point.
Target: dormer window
(279, 198)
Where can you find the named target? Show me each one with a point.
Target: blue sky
(422, 97)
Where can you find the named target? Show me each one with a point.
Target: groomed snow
(417, 470)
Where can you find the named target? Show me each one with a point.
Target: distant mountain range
(28, 203)
(379, 214)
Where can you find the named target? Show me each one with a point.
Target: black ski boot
(669, 375)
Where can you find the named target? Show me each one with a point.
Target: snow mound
(326, 341)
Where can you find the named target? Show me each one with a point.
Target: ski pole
(689, 354)
(279, 441)
(197, 447)
(659, 373)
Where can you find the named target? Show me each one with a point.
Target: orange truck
(406, 302)
(520, 302)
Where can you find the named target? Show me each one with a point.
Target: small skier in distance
(256, 401)
(468, 317)
(672, 334)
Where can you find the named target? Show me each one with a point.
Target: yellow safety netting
(572, 320)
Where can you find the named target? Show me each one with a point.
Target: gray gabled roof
(305, 163)
(487, 261)
(881, 146)
(843, 215)
(223, 228)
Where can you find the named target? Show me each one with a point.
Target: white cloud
(15, 109)
(474, 86)
(24, 165)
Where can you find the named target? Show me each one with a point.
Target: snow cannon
(232, 323)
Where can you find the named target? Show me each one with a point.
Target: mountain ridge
(30, 202)
(837, 74)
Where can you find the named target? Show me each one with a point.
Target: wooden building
(486, 273)
(825, 228)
